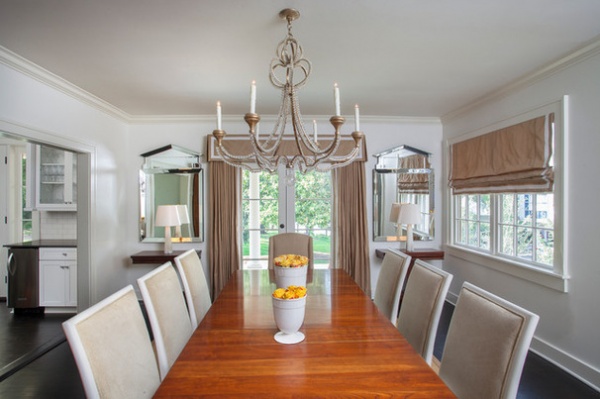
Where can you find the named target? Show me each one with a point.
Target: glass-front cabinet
(56, 179)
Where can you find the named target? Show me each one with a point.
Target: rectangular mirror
(402, 175)
(171, 176)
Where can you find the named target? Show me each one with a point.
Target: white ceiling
(393, 57)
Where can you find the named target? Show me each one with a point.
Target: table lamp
(184, 218)
(167, 216)
(409, 214)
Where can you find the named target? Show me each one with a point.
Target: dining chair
(390, 282)
(167, 313)
(424, 297)
(486, 346)
(291, 243)
(195, 286)
(112, 348)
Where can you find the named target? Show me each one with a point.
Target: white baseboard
(584, 372)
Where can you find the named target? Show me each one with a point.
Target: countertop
(44, 244)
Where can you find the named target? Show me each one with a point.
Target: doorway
(286, 201)
(85, 158)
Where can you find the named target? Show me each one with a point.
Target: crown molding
(23, 65)
(591, 49)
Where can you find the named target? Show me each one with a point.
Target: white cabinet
(56, 179)
(58, 277)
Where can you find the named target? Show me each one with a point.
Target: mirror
(402, 174)
(171, 175)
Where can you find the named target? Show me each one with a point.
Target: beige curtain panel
(513, 159)
(350, 223)
(223, 194)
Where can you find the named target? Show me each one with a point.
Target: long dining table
(350, 350)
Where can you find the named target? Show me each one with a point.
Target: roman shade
(517, 158)
(414, 183)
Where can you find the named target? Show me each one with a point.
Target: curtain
(224, 193)
(513, 159)
(413, 183)
(351, 246)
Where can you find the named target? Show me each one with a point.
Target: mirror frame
(160, 162)
(379, 205)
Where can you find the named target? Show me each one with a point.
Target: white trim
(585, 372)
(524, 271)
(23, 65)
(589, 50)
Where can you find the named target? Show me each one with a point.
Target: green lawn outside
(321, 244)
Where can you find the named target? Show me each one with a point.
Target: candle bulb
(253, 97)
(356, 121)
(315, 130)
(336, 95)
(218, 115)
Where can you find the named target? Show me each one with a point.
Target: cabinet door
(55, 179)
(52, 283)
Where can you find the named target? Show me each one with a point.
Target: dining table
(350, 348)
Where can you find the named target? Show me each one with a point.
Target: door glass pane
(313, 213)
(260, 206)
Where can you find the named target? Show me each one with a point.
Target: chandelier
(309, 153)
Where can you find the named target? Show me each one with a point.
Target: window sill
(535, 275)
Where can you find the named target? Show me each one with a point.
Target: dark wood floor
(34, 346)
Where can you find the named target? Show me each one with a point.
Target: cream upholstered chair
(167, 314)
(390, 282)
(195, 287)
(486, 346)
(111, 346)
(422, 304)
(291, 243)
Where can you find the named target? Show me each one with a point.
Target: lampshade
(167, 215)
(395, 212)
(409, 214)
(184, 216)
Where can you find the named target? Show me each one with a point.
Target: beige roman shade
(513, 159)
(414, 183)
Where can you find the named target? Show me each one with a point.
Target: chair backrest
(195, 287)
(390, 282)
(422, 304)
(111, 346)
(291, 243)
(486, 346)
(167, 314)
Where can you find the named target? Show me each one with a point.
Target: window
(26, 218)
(524, 230)
(507, 205)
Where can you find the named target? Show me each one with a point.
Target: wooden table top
(351, 349)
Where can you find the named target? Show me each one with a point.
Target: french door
(281, 202)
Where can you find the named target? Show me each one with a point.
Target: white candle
(253, 97)
(315, 130)
(218, 115)
(336, 95)
(356, 122)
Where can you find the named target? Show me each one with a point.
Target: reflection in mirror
(171, 175)
(402, 175)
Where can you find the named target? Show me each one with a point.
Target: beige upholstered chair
(167, 313)
(111, 346)
(486, 345)
(291, 243)
(390, 282)
(195, 286)
(422, 304)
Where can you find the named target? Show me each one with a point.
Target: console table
(159, 257)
